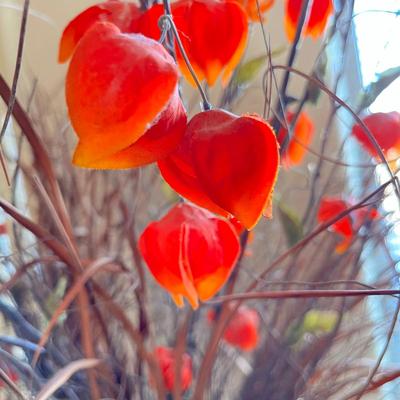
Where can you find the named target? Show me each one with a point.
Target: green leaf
(54, 298)
(169, 193)
(314, 322)
(320, 321)
(248, 71)
(291, 224)
(374, 89)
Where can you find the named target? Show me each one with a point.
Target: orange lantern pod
(385, 127)
(178, 172)
(329, 208)
(213, 34)
(190, 253)
(242, 329)
(303, 133)
(118, 124)
(121, 13)
(166, 361)
(252, 9)
(349, 225)
(319, 13)
(226, 162)
(158, 141)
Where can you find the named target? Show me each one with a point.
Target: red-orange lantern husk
(385, 127)
(303, 133)
(242, 329)
(315, 25)
(226, 162)
(190, 253)
(166, 360)
(123, 14)
(107, 89)
(213, 33)
(331, 207)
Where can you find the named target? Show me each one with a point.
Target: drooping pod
(123, 14)
(385, 127)
(119, 125)
(190, 253)
(320, 11)
(303, 133)
(213, 34)
(166, 361)
(242, 329)
(226, 163)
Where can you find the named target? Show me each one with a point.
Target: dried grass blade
(68, 299)
(63, 375)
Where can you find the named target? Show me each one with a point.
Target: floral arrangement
(172, 253)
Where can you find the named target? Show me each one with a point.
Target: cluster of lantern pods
(124, 105)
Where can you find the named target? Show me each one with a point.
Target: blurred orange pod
(166, 360)
(385, 128)
(303, 132)
(318, 15)
(242, 329)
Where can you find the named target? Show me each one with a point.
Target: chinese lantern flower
(242, 329)
(227, 164)
(166, 361)
(213, 34)
(252, 9)
(348, 226)
(329, 208)
(320, 11)
(385, 127)
(190, 253)
(303, 132)
(107, 89)
(123, 14)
